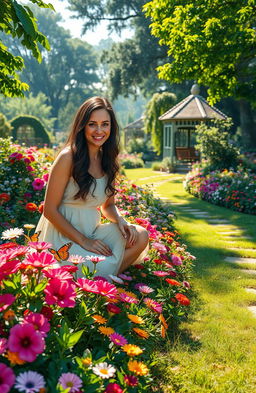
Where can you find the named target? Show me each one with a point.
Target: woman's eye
(105, 124)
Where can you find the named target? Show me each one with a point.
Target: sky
(75, 26)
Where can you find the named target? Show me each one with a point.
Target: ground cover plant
(62, 333)
(234, 189)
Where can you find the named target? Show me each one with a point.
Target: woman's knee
(143, 237)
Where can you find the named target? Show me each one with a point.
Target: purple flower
(70, 381)
(118, 339)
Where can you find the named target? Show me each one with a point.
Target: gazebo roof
(137, 124)
(193, 107)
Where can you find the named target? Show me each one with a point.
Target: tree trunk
(248, 125)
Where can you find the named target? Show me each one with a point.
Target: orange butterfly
(34, 237)
(62, 253)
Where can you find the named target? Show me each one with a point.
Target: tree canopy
(18, 21)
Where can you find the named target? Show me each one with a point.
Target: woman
(82, 179)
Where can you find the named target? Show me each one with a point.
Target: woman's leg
(132, 253)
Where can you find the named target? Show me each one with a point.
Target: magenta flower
(40, 246)
(61, 293)
(17, 252)
(118, 339)
(159, 247)
(38, 184)
(113, 388)
(39, 321)
(3, 345)
(60, 273)
(39, 260)
(131, 380)
(106, 289)
(87, 285)
(7, 378)
(8, 267)
(70, 381)
(30, 382)
(127, 299)
(153, 305)
(176, 260)
(6, 300)
(25, 340)
(160, 273)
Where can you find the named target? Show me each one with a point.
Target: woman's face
(97, 130)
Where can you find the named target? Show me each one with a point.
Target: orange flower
(137, 368)
(135, 318)
(14, 358)
(132, 350)
(99, 319)
(32, 207)
(106, 330)
(142, 333)
(9, 315)
(87, 362)
(163, 320)
(163, 331)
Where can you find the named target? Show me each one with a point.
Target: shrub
(140, 145)
(129, 161)
(40, 137)
(5, 127)
(164, 166)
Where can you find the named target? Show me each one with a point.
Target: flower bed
(61, 333)
(235, 190)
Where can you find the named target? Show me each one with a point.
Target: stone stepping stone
(251, 290)
(191, 210)
(218, 221)
(203, 215)
(252, 309)
(228, 232)
(248, 271)
(240, 260)
(177, 203)
(242, 249)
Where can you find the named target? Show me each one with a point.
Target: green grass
(215, 351)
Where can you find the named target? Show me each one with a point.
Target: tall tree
(67, 72)
(18, 21)
(213, 42)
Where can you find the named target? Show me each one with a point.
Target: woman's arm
(58, 179)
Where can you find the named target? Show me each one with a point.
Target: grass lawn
(215, 351)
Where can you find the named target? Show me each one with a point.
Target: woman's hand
(96, 246)
(128, 231)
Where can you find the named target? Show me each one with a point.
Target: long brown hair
(79, 148)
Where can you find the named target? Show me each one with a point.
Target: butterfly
(62, 253)
(34, 237)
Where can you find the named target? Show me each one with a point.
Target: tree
(213, 43)
(34, 106)
(158, 105)
(67, 72)
(5, 127)
(18, 21)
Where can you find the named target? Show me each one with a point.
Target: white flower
(76, 259)
(104, 370)
(29, 382)
(12, 233)
(29, 226)
(116, 279)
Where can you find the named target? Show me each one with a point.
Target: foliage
(66, 73)
(5, 127)
(19, 21)
(31, 105)
(235, 190)
(41, 134)
(214, 144)
(165, 166)
(159, 104)
(45, 303)
(140, 145)
(20, 197)
(129, 161)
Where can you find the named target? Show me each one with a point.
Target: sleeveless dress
(85, 216)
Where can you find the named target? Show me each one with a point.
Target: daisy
(29, 226)
(12, 233)
(153, 305)
(118, 339)
(137, 368)
(142, 333)
(132, 350)
(76, 259)
(145, 289)
(116, 279)
(104, 370)
(125, 277)
(70, 381)
(135, 318)
(40, 246)
(29, 382)
(99, 319)
(106, 330)
(95, 259)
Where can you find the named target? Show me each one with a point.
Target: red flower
(41, 208)
(131, 380)
(172, 282)
(113, 388)
(182, 299)
(113, 308)
(4, 197)
(47, 312)
(31, 207)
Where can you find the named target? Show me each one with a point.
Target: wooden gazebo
(180, 122)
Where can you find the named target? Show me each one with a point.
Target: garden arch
(29, 130)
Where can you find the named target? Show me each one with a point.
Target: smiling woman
(82, 182)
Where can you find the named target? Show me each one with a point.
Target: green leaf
(74, 338)
(26, 20)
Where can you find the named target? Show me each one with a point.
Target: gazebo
(134, 130)
(180, 122)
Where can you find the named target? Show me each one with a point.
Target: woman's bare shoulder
(63, 161)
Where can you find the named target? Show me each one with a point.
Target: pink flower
(113, 388)
(76, 259)
(60, 273)
(131, 380)
(153, 305)
(39, 260)
(125, 277)
(95, 259)
(61, 293)
(38, 184)
(118, 339)
(39, 322)
(176, 260)
(159, 247)
(25, 340)
(128, 299)
(186, 284)
(160, 273)
(6, 300)
(46, 177)
(70, 381)
(8, 267)
(3, 345)
(40, 246)
(145, 289)
(87, 285)
(106, 289)
(7, 378)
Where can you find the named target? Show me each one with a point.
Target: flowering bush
(233, 189)
(23, 177)
(131, 160)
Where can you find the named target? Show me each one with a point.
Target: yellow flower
(142, 333)
(14, 358)
(132, 350)
(99, 319)
(137, 368)
(87, 362)
(106, 330)
(135, 318)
